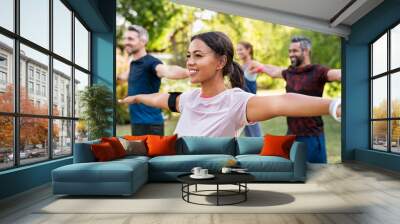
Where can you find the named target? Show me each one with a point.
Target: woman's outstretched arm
(158, 100)
(260, 108)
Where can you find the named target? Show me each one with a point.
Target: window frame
(388, 74)
(16, 114)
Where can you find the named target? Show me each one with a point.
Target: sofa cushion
(83, 152)
(249, 145)
(133, 157)
(112, 171)
(189, 145)
(257, 163)
(185, 163)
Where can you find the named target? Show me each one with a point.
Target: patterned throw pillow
(134, 147)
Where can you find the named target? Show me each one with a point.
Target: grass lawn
(276, 126)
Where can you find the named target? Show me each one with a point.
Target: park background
(170, 27)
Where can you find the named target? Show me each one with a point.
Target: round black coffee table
(238, 179)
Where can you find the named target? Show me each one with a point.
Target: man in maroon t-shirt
(308, 79)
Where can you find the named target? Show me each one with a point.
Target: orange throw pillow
(277, 145)
(116, 145)
(103, 152)
(136, 137)
(161, 145)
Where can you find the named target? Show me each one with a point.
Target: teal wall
(99, 16)
(24, 178)
(355, 66)
(103, 59)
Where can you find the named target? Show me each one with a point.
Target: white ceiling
(318, 15)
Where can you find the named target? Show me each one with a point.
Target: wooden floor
(378, 189)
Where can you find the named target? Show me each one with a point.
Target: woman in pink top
(215, 110)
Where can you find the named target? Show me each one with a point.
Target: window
(37, 89)
(62, 74)
(6, 142)
(33, 148)
(81, 45)
(41, 83)
(62, 29)
(30, 73)
(34, 21)
(3, 78)
(7, 14)
(3, 61)
(44, 91)
(385, 97)
(81, 81)
(3, 72)
(6, 74)
(30, 87)
(62, 140)
(37, 75)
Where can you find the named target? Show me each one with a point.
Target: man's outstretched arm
(271, 70)
(171, 72)
(158, 100)
(290, 105)
(334, 75)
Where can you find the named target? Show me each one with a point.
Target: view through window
(40, 80)
(385, 96)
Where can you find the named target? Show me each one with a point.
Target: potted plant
(97, 104)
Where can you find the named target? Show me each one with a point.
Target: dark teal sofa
(125, 176)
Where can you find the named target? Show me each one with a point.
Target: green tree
(163, 20)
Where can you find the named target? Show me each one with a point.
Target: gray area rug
(166, 198)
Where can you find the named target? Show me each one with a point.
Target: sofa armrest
(83, 152)
(298, 155)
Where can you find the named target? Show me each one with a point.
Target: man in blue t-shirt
(144, 77)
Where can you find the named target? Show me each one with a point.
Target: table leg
(182, 190)
(188, 189)
(245, 191)
(217, 194)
